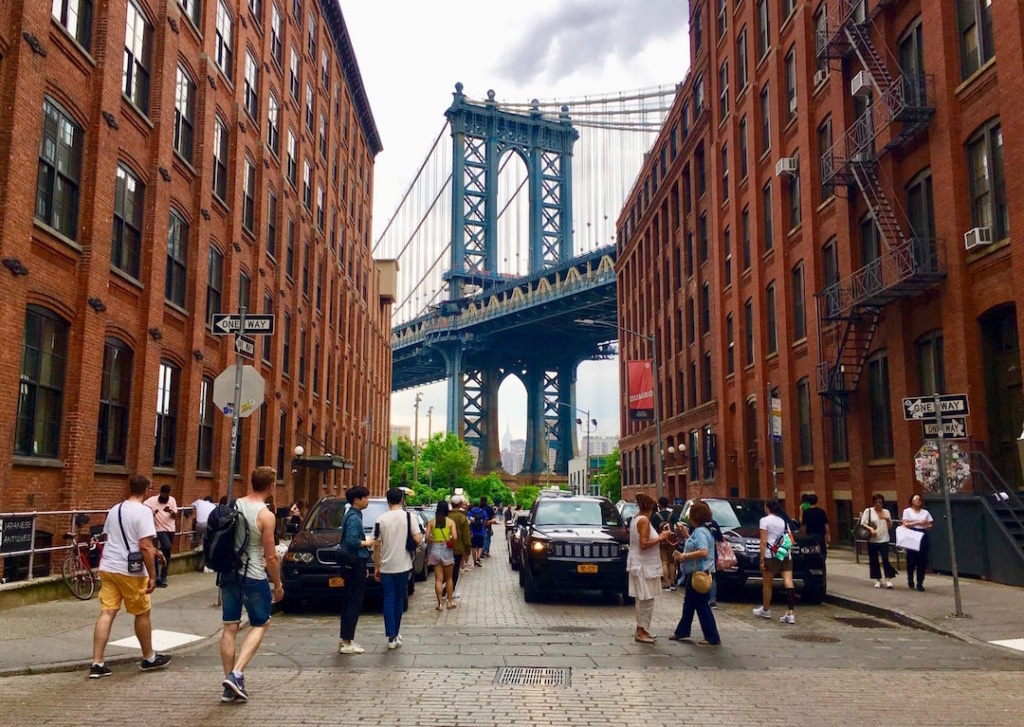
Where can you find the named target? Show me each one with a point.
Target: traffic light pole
(234, 410)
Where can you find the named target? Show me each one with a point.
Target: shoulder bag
(135, 562)
(346, 558)
(862, 531)
(410, 544)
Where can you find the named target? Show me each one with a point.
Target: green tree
(611, 477)
(526, 495)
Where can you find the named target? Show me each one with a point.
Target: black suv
(740, 520)
(572, 542)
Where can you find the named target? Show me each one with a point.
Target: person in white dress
(644, 566)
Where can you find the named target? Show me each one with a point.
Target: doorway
(1004, 398)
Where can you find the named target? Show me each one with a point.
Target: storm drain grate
(858, 622)
(812, 639)
(533, 676)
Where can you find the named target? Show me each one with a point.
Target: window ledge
(142, 115)
(165, 471)
(127, 277)
(110, 469)
(175, 308)
(68, 36)
(204, 475)
(188, 165)
(839, 465)
(56, 234)
(45, 462)
(826, 203)
(882, 462)
(988, 250)
(974, 77)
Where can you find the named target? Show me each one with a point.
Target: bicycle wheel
(78, 578)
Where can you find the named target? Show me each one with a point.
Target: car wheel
(814, 590)
(530, 592)
(513, 563)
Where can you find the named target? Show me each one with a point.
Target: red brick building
(161, 162)
(800, 224)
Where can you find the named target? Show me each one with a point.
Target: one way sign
(245, 346)
(260, 324)
(922, 407)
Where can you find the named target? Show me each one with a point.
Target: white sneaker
(788, 619)
(759, 611)
(393, 644)
(878, 584)
(456, 595)
(888, 584)
(351, 648)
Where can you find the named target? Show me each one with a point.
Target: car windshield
(629, 509)
(328, 514)
(731, 515)
(576, 512)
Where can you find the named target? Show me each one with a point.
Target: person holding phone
(164, 508)
(878, 520)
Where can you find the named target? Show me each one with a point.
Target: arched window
(166, 414)
(207, 413)
(115, 401)
(41, 390)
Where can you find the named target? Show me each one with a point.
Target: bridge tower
(482, 134)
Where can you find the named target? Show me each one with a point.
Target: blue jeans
(394, 586)
(487, 541)
(694, 602)
(713, 593)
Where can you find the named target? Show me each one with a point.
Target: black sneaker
(99, 670)
(159, 662)
(228, 695)
(236, 685)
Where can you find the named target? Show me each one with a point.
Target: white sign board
(253, 389)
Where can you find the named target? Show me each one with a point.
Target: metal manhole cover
(533, 676)
(812, 639)
(570, 629)
(859, 622)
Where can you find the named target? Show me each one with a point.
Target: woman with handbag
(917, 518)
(698, 559)
(441, 555)
(878, 521)
(643, 564)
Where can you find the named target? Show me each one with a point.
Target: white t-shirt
(392, 528)
(203, 508)
(879, 522)
(775, 527)
(911, 518)
(138, 524)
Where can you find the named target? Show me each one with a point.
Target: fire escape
(895, 110)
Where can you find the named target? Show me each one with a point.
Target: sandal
(440, 607)
(705, 642)
(643, 639)
(452, 605)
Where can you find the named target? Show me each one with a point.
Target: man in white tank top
(254, 591)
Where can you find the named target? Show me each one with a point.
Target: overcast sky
(411, 53)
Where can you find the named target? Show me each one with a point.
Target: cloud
(580, 34)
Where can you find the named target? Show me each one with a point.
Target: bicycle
(77, 572)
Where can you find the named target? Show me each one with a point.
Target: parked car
(740, 520)
(572, 542)
(310, 571)
(627, 509)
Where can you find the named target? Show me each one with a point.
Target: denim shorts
(251, 593)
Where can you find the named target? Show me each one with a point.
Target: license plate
(336, 582)
(586, 568)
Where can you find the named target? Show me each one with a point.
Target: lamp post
(586, 470)
(652, 343)
(416, 439)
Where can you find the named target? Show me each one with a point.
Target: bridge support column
(489, 459)
(565, 416)
(452, 354)
(535, 460)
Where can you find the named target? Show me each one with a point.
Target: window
(261, 437)
(870, 242)
(274, 124)
(311, 36)
(910, 52)
(771, 321)
(305, 268)
(60, 166)
(252, 86)
(307, 185)
(192, 9)
(289, 258)
(276, 50)
(727, 248)
(176, 278)
(249, 196)
(290, 161)
(702, 183)
(766, 120)
(689, 254)
(126, 246)
(694, 456)
(830, 263)
(282, 427)
(881, 416)
(744, 162)
(766, 211)
(793, 195)
(297, 10)
(837, 435)
(725, 172)
(115, 399)
(723, 90)
(698, 96)
(268, 341)
(987, 182)
(748, 332)
(321, 270)
(931, 364)
(803, 409)
(821, 38)
(184, 114)
(791, 84)
(691, 321)
(323, 136)
(293, 74)
(698, 31)
(220, 158)
(166, 414)
(302, 357)
(730, 343)
(272, 224)
(787, 9)
(723, 17)
(256, 8)
(763, 29)
(705, 309)
(684, 119)
(309, 106)
(214, 284)
(745, 230)
(321, 213)
(316, 369)
(138, 46)
(207, 414)
(76, 17)
(286, 354)
(741, 62)
(799, 307)
(706, 394)
(827, 191)
(223, 54)
(974, 21)
(41, 389)
(325, 69)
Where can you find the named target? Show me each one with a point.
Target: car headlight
(298, 557)
(738, 547)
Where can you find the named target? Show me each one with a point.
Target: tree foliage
(611, 477)
(445, 463)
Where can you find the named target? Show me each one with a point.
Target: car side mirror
(522, 519)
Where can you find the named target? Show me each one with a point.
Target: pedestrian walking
(201, 510)
(815, 523)
(697, 554)
(917, 518)
(463, 540)
(354, 572)
(255, 586)
(661, 522)
(440, 554)
(643, 563)
(393, 561)
(128, 576)
(878, 520)
(164, 508)
(477, 527)
(489, 516)
(776, 557)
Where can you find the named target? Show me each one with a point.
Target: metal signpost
(932, 412)
(774, 434)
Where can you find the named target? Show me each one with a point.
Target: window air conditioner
(786, 165)
(977, 237)
(820, 77)
(860, 85)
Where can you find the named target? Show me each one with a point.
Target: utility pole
(430, 423)
(416, 440)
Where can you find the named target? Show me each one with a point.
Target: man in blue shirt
(488, 521)
(354, 542)
(477, 532)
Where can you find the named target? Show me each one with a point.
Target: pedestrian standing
(776, 557)
(164, 508)
(489, 516)
(440, 555)
(917, 518)
(128, 575)
(879, 522)
(660, 521)
(815, 522)
(201, 510)
(697, 554)
(251, 585)
(463, 540)
(354, 542)
(477, 528)
(393, 561)
(643, 563)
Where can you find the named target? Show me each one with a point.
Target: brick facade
(343, 310)
(974, 309)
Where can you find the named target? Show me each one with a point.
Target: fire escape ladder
(867, 176)
(860, 40)
(846, 345)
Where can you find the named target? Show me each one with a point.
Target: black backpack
(226, 542)
(478, 522)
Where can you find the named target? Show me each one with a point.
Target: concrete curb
(900, 617)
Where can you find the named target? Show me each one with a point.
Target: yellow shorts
(130, 589)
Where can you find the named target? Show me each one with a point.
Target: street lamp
(586, 470)
(652, 343)
(416, 439)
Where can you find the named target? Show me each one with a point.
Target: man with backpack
(397, 530)
(477, 529)
(242, 574)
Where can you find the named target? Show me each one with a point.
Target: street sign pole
(771, 439)
(944, 484)
(234, 412)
